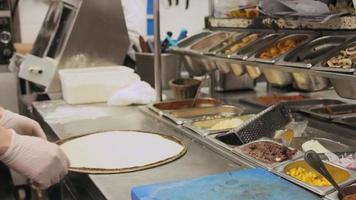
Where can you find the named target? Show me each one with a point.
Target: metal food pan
(253, 71)
(226, 140)
(203, 45)
(309, 83)
(265, 101)
(344, 87)
(198, 65)
(333, 111)
(348, 121)
(255, 161)
(238, 40)
(184, 104)
(323, 66)
(264, 40)
(210, 121)
(214, 50)
(309, 103)
(300, 38)
(184, 115)
(277, 78)
(341, 173)
(313, 52)
(185, 43)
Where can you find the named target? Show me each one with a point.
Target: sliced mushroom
(351, 51)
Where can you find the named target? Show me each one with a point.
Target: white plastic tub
(95, 84)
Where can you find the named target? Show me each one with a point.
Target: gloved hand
(41, 161)
(21, 124)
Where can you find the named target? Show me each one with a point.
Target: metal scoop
(313, 159)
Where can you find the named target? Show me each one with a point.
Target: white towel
(138, 92)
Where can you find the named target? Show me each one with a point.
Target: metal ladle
(313, 159)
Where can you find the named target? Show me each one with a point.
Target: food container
(345, 88)
(184, 88)
(343, 52)
(185, 43)
(253, 71)
(313, 52)
(273, 52)
(227, 140)
(185, 115)
(263, 40)
(167, 106)
(348, 121)
(333, 111)
(266, 101)
(214, 50)
(342, 176)
(197, 66)
(309, 83)
(216, 124)
(330, 144)
(264, 163)
(304, 104)
(277, 78)
(211, 41)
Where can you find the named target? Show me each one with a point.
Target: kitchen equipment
(277, 78)
(331, 145)
(185, 43)
(340, 86)
(186, 115)
(313, 52)
(185, 88)
(264, 124)
(301, 105)
(343, 176)
(323, 65)
(145, 67)
(66, 41)
(333, 111)
(229, 82)
(251, 184)
(313, 159)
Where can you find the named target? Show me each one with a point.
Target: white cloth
(21, 124)
(41, 161)
(139, 92)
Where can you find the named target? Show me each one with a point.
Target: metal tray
(227, 42)
(280, 170)
(309, 83)
(205, 44)
(345, 88)
(256, 101)
(213, 119)
(261, 42)
(255, 161)
(313, 52)
(348, 121)
(191, 40)
(331, 145)
(165, 107)
(301, 38)
(332, 111)
(322, 66)
(309, 103)
(185, 115)
(277, 78)
(226, 140)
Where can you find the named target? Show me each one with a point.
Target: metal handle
(313, 159)
(35, 70)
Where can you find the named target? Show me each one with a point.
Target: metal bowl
(309, 83)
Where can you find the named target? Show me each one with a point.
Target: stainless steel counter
(198, 161)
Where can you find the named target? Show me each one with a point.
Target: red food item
(267, 100)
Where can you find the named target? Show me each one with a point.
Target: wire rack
(264, 124)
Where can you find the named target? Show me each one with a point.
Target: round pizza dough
(120, 151)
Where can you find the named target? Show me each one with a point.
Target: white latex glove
(21, 124)
(139, 92)
(39, 160)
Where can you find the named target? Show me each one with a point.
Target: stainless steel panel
(344, 88)
(277, 78)
(309, 83)
(253, 71)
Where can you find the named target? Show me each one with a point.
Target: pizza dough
(120, 151)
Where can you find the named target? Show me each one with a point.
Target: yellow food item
(239, 45)
(307, 176)
(227, 124)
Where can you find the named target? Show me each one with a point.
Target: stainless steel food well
(277, 78)
(323, 65)
(185, 43)
(333, 111)
(308, 55)
(344, 88)
(309, 83)
(300, 38)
